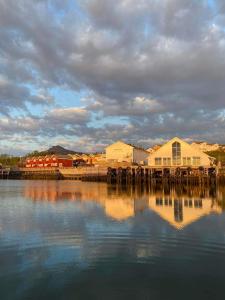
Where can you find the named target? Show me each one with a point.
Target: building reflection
(183, 211)
(179, 206)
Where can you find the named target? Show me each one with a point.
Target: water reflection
(74, 240)
(179, 206)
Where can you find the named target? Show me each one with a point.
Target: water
(72, 240)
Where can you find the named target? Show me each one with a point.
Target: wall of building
(119, 152)
(140, 156)
(187, 151)
(48, 161)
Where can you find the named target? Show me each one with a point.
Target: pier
(4, 173)
(146, 175)
(40, 173)
(131, 175)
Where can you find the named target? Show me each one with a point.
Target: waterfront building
(177, 153)
(78, 160)
(49, 161)
(154, 148)
(122, 152)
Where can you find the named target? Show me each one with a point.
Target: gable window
(176, 153)
(158, 161)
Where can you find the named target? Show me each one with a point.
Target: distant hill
(59, 150)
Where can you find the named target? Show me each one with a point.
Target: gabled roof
(177, 139)
(61, 156)
(128, 144)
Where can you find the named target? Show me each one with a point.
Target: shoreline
(134, 175)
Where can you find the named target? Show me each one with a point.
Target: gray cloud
(158, 65)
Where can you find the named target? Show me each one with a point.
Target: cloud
(69, 115)
(151, 69)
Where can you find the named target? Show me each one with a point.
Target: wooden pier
(139, 175)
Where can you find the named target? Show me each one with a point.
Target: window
(158, 161)
(198, 203)
(196, 161)
(186, 161)
(166, 161)
(187, 203)
(159, 202)
(176, 153)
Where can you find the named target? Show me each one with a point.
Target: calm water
(71, 240)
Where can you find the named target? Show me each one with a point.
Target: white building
(122, 152)
(178, 153)
(203, 146)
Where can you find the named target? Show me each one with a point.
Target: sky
(85, 73)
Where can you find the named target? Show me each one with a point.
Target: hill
(59, 150)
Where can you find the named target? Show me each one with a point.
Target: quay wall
(127, 175)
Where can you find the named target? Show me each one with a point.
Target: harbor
(112, 150)
(175, 162)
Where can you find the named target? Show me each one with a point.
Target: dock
(4, 173)
(132, 175)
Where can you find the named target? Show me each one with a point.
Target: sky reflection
(58, 234)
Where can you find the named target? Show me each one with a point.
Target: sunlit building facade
(177, 153)
(49, 161)
(122, 152)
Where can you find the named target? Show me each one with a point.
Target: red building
(49, 161)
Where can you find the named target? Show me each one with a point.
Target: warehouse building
(122, 152)
(49, 161)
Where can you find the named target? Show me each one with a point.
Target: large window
(176, 153)
(186, 161)
(166, 161)
(196, 161)
(158, 161)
